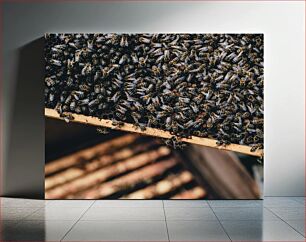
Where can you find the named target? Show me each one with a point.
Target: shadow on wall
(25, 153)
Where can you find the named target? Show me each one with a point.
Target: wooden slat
(162, 187)
(77, 171)
(194, 193)
(103, 174)
(88, 153)
(130, 179)
(79, 118)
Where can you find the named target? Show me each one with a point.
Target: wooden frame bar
(79, 118)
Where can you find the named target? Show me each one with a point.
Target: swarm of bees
(205, 85)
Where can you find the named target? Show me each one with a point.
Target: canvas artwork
(154, 116)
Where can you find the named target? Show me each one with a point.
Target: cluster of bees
(205, 85)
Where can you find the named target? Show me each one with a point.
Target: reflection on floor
(274, 219)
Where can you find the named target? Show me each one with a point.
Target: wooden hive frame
(79, 118)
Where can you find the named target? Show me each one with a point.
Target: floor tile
(260, 231)
(39, 230)
(196, 231)
(143, 220)
(128, 203)
(16, 213)
(21, 203)
(186, 204)
(281, 202)
(189, 214)
(289, 213)
(70, 203)
(131, 213)
(56, 213)
(298, 225)
(118, 231)
(244, 214)
(235, 203)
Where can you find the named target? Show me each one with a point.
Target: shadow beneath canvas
(26, 135)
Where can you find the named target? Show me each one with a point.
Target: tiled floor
(274, 219)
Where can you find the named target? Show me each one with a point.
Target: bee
(67, 117)
(55, 62)
(49, 81)
(84, 88)
(103, 130)
(117, 123)
(93, 103)
(72, 105)
(144, 40)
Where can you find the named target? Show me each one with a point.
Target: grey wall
(281, 22)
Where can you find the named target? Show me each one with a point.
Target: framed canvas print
(154, 116)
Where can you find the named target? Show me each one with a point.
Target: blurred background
(82, 163)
